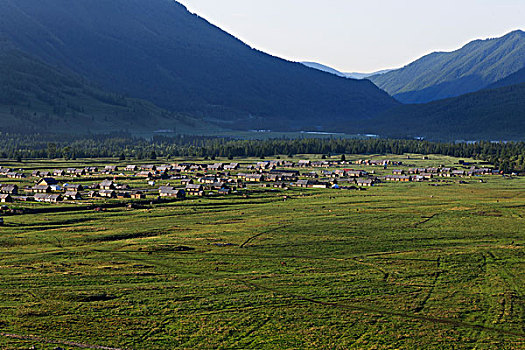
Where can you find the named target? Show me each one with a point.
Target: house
(165, 188)
(208, 179)
(399, 178)
(147, 174)
(254, 178)
(320, 185)
(321, 164)
(111, 168)
(195, 167)
(73, 195)
(47, 181)
(216, 167)
(56, 188)
(306, 183)
(303, 163)
(41, 189)
(9, 189)
(138, 195)
(185, 182)
(35, 173)
(107, 185)
(365, 182)
(59, 172)
(15, 175)
(356, 173)
(123, 195)
(398, 172)
(107, 193)
(286, 175)
(173, 193)
(80, 172)
(163, 168)
(273, 177)
(148, 167)
(48, 198)
(5, 198)
(73, 187)
(225, 191)
(312, 175)
(194, 189)
(218, 185)
(91, 170)
(231, 166)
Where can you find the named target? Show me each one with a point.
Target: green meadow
(398, 266)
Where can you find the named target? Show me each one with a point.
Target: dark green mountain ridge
(158, 51)
(441, 75)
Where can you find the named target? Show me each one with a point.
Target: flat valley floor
(398, 266)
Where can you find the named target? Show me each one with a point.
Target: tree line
(508, 156)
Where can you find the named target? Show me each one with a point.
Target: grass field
(399, 266)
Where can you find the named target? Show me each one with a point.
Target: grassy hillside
(493, 114)
(35, 97)
(447, 74)
(157, 50)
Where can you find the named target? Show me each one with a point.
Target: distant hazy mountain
(158, 51)
(324, 68)
(355, 75)
(35, 97)
(490, 114)
(366, 75)
(448, 74)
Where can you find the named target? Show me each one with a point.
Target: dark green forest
(507, 156)
(36, 97)
(491, 114)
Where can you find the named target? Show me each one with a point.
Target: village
(187, 179)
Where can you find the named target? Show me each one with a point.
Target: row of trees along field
(507, 156)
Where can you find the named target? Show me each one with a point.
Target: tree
(51, 150)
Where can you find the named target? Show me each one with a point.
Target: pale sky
(360, 35)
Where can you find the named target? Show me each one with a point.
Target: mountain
(324, 68)
(35, 97)
(448, 74)
(158, 51)
(360, 76)
(489, 114)
(355, 75)
(513, 79)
